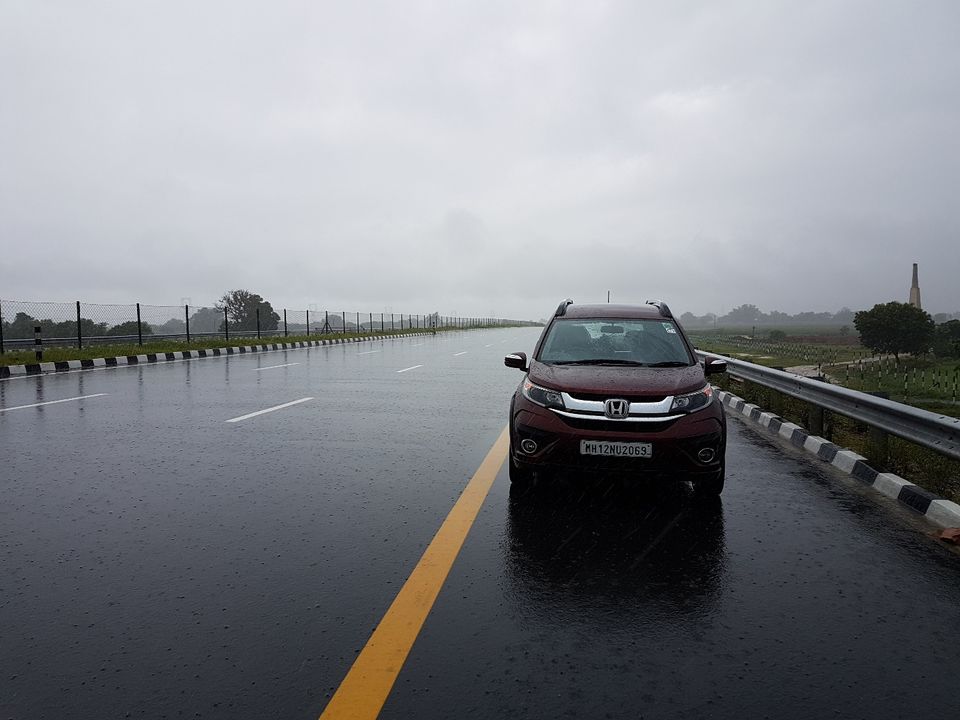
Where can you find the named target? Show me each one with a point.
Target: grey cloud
(448, 157)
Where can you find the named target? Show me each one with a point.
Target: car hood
(613, 380)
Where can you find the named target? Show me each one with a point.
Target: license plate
(616, 449)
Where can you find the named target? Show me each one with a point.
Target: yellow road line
(364, 690)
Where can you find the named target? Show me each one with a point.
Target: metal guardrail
(940, 433)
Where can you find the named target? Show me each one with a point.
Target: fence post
(1, 329)
(308, 323)
(258, 323)
(382, 328)
(371, 322)
(139, 328)
(392, 326)
(79, 331)
(226, 325)
(284, 322)
(343, 314)
(38, 342)
(358, 323)
(186, 318)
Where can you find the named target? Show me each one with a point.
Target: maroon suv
(617, 388)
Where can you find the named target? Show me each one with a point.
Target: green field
(810, 349)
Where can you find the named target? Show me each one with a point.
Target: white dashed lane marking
(412, 367)
(268, 410)
(273, 367)
(51, 402)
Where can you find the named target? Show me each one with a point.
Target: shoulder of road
(941, 512)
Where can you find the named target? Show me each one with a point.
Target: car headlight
(693, 401)
(542, 396)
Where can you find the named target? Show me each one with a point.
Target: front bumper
(676, 443)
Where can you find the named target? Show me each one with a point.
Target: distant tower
(915, 289)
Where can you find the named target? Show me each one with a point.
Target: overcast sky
(484, 157)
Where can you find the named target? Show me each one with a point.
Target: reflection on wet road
(157, 561)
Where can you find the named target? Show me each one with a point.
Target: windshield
(616, 342)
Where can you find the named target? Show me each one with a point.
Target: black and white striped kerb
(940, 511)
(66, 365)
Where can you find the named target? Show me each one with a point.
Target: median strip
(268, 410)
(364, 690)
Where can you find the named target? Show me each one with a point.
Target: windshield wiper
(669, 363)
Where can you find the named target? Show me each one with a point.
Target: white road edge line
(461, 353)
(52, 402)
(413, 367)
(416, 345)
(268, 410)
(368, 352)
(273, 367)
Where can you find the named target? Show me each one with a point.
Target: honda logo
(616, 409)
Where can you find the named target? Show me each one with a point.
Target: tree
(746, 314)
(21, 328)
(173, 326)
(777, 335)
(242, 306)
(206, 320)
(129, 328)
(946, 341)
(896, 328)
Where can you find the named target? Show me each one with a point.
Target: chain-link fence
(80, 324)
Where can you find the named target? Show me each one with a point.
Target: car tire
(712, 485)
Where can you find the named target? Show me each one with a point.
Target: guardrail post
(258, 323)
(226, 325)
(139, 328)
(284, 322)
(79, 331)
(186, 317)
(38, 342)
(815, 421)
(878, 442)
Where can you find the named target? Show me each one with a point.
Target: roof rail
(562, 308)
(662, 307)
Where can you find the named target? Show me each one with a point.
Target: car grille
(598, 397)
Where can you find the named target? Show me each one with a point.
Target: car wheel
(712, 485)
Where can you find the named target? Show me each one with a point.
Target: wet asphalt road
(157, 561)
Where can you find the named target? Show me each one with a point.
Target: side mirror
(712, 366)
(516, 360)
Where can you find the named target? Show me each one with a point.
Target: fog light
(706, 455)
(528, 446)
